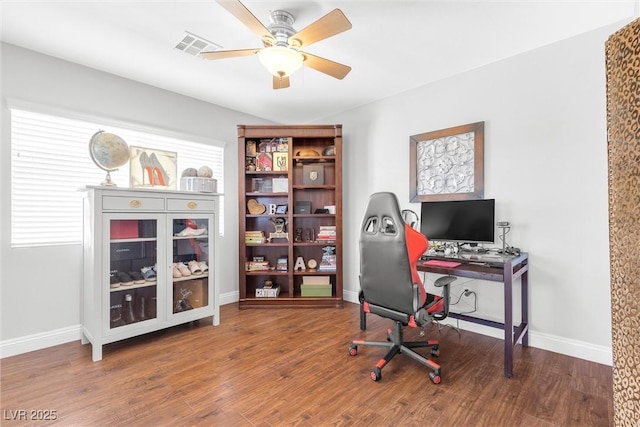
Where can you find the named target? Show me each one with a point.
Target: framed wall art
(280, 161)
(153, 168)
(447, 164)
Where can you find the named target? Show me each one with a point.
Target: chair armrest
(444, 282)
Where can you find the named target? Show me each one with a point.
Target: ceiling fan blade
(334, 69)
(222, 54)
(329, 25)
(245, 16)
(280, 82)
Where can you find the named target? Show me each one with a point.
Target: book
(264, 292)
(254, 237)
(257, 266)
(327, 233)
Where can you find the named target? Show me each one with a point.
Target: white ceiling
(394, 46)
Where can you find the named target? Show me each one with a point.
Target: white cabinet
(150, 262)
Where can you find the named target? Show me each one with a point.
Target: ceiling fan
(282, 54)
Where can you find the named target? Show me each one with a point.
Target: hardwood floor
(274, 367)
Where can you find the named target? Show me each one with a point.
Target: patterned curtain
(623, 122)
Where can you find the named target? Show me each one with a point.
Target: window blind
(50, 163)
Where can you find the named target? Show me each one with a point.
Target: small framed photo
(281, 209)
(280, 161)
(251, 149)
(281, 264)
(280, 185)
(264, 162)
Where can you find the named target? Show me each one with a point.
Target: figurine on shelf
(280, 225)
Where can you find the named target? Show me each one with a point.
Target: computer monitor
(461, 221)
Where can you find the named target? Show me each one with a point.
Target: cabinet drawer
(132, 203)
(193, 205)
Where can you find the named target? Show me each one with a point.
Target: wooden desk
(494, 268)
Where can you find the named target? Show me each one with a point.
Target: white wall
(545, 164)
(40, 286)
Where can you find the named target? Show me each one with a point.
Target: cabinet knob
(134, 203)
(192, 205)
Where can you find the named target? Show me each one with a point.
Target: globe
(108, 152)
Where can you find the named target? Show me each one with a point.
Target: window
(50, 163)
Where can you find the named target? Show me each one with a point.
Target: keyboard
(441, 263)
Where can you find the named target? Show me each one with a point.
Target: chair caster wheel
(353, 350)
(376, 374)
(435, 378)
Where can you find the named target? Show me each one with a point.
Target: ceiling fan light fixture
(281, 61)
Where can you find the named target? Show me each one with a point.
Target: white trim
(569, 347)
(39, 341)
(19, 104)
(350, 296)
(229, 297)
(26, 344)
(574, 348)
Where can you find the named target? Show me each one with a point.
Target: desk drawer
(118, 203)
(191, 205)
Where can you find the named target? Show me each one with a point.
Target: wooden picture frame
(447, 164)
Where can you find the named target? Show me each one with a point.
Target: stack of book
(257, 266)
(254, 237)
(316, 286)
(326, 234)
(328, 262)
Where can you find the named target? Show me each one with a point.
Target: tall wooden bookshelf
(290, 207)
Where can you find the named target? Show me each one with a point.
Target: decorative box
(124, 229)
(315, 290)
(199, 185)
(313, 174)
(302, 207)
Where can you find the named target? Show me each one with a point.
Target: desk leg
(508, 320)
(525, 306)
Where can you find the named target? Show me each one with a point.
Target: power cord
(467, 293)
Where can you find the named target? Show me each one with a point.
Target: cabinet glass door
(132, 259)
(190, 267)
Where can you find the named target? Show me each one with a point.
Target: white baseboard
(229, 298)
(569, 347)
(556, 344)
(26, 344)
(39, 341)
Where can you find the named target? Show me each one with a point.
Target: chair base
(396, 345)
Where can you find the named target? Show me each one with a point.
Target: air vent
(193, 44)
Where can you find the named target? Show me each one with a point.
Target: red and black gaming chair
(390, 283)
